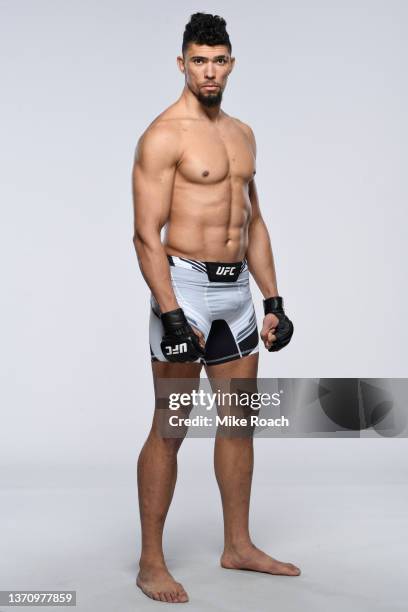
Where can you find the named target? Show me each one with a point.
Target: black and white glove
(180, 342)
(284, 329)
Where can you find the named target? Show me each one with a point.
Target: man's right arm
(156, 157)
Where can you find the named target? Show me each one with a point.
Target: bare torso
(210, 208)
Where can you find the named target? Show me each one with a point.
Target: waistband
(217, 271)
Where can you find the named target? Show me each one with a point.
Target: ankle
(152, 563)
(238, 545)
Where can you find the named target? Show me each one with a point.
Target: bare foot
(157, 583)
(251, 558)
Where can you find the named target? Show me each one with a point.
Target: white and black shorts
(216, 298)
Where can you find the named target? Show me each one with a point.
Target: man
(194, 175)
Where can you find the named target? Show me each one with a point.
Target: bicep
(152, 181)
(252, 190)
(253, 197)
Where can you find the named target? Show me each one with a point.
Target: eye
(197, 60)
(222, 60)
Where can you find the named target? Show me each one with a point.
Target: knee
(171, 445)
(168, 445)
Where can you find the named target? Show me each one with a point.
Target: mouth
(210, 87)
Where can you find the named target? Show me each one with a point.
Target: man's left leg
(233, 463)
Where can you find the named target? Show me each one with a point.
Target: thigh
(173, 369)
(220, 377)
(246, 367)
(172, 377)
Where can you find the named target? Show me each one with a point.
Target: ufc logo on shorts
(224, 270)
(176, 350)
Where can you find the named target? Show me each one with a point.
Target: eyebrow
(205, 58)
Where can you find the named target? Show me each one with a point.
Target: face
(206, 69)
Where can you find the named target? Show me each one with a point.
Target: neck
(199, 110)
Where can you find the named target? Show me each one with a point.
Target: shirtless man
(194, 175)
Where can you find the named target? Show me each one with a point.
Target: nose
(209, 71)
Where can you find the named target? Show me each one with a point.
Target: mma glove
(284, 329)
(179, 343)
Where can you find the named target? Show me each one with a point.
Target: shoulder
(161, 130)
(244, 127)
(160, 139)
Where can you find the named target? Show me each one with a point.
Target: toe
(183, 597)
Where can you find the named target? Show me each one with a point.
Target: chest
(214, 155)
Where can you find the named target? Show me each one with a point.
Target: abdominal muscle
(210, 228)
(207, 244)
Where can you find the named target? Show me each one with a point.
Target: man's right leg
(157, 474)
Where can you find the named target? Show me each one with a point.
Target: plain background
(323, 85)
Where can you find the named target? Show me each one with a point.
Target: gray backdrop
(323, 85)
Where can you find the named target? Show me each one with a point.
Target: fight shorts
(216, 299)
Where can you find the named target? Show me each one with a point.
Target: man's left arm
(259, 252)
(277, 329)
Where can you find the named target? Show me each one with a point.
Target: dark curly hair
(206, 29)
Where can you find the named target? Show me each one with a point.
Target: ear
(232, 64)
(180, 63)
